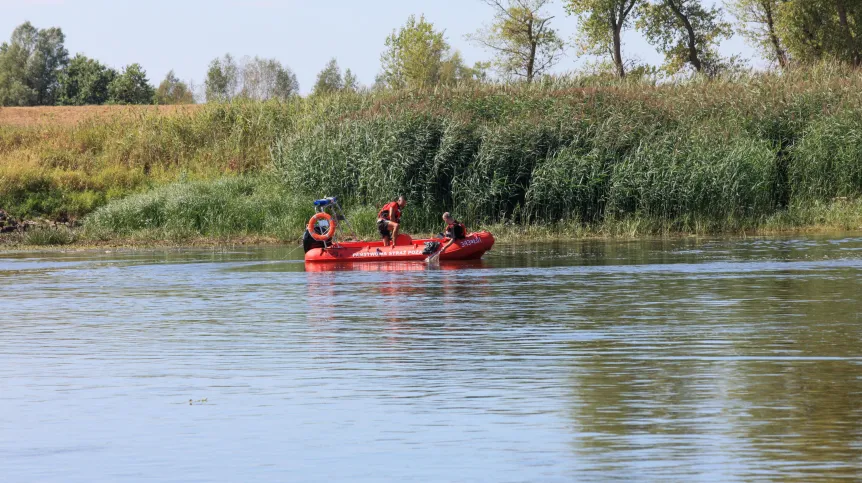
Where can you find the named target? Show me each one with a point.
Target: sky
(185, 35)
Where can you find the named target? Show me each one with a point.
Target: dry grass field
(62, 162)
(72, 115)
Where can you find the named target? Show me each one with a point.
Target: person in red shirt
(389, 218)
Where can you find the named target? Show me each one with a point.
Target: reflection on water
(664, 360)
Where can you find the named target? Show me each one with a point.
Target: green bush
(235, 206)
(45, 236)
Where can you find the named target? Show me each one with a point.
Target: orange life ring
(312, 224)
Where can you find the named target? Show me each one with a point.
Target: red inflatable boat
(404, 250)
(321, 242)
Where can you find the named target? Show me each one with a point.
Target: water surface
(714, 360)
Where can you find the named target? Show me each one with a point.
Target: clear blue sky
(185, 35)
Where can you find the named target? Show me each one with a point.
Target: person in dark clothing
(455, 230)
(389, 218)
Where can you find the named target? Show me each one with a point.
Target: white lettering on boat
(398, 253)
(470, 241)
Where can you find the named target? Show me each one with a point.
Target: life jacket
(456, 230)
(384, 212)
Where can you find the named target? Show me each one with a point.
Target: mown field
(73, 115)
(562, 158)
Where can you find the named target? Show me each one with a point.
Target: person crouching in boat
(455, 230)
(389, 218)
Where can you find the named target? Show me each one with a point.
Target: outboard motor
(308, 242)
(430, 247)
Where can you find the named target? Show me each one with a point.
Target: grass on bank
(259, 209)
(235, 208)
(44, 236)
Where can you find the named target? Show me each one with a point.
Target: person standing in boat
(389, 218)
(455, 230)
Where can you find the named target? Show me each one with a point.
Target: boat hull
(406, 250)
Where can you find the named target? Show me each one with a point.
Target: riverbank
(837, 217)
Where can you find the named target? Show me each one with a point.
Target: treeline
(35, 68)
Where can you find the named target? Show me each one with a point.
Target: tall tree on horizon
(30, 65)
(601, 23)
(173, 91)
(351, 82)
(222, 79)
(815, 30)
(520, 35)
(131, 87)
(413, 55)
(84, 82)
(264, 79)
(329, 79)
(251, 78)
(687, 33)
(758, 24)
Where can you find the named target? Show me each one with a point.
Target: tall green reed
(722, 153)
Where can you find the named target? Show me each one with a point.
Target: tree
(453, 71)
(601, 23)
(30, 64)
(84, 82)
(521, 37)
(757, 23)
(351, 83)
(286, 83)
(687, 33)
(413, 55)
(253, 78)
(329, 80)
(131, 87)
(418, 56)
(173, 91)
(222, 79)
(266, 79)
(822, 29)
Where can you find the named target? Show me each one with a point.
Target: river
(675, 360)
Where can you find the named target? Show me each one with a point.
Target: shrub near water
(48, 236)
(230, 207)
